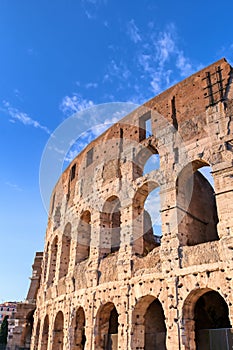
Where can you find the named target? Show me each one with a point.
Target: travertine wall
(24, 317)
(107, 283)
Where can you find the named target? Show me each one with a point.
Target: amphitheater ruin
(108, 280)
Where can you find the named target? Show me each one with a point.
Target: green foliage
(4, 331)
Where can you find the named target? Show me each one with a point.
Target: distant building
(9, 308)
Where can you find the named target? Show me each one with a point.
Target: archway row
(205, 317)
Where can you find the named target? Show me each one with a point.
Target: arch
(110, 222)
(53, 260)
(46, 256)
(45, 334)
(144, 154)
(65, 251)
(148, 325)
(196, 206)
(78, 326)
(37, 335)
(84, 237)
(205, 310)
(58, 332)
(27, 330)
(107, 327)
(144, 239)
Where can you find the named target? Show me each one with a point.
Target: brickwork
(106, 282)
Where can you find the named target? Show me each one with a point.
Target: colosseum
(112, 278)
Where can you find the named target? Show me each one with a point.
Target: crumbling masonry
(107, 281)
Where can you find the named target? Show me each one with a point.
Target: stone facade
(107, 283)
(24, 316)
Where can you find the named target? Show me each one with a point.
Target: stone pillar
(223, 179)
(92, 269)
(125, 252)
(170, 242)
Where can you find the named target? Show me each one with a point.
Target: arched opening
(196, 206)
(211, 322)
(110, 219)
(58, 333)
(27, 331)
(149, 328)
(79, 330)
(45, 334)
(37, 335)
(65, 251)
(107, 328)
(206, 321)
(84, 237)
(153, 163)
(146, 218)
(53, 260)
(145, 161)
(46, 256)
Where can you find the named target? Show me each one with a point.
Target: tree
(4, 333)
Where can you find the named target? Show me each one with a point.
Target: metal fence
(13, 347)
(215, 339)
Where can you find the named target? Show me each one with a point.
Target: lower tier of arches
(185, 312)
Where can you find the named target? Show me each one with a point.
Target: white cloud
(165, 46)
(133, 32)
(89, 15)
(160, 59)
(13, 186)
(22, 117)
(184, 65)
(91, 6)
(119, 70)
(91, 85)
(75, 103)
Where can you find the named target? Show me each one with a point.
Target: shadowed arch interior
(196, 206)
(110, 221)
(205, 319)
(58, 332)
(37, 335)
(65, 251)
(84, 237)
(107, 328)
(45, 334)
(149, 328)
(78, 325)
(27, 330)
(53, 260)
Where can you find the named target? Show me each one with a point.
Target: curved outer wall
(85, 269)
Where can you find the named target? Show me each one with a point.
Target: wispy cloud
(75, 103)
(162, 61)
(22, 117)
(91, 85)
(90, 7)
(184, 65)
(165, 46)
(118, 70)
(133, 32)
(158, 60)
(13, 186)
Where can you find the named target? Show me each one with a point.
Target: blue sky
(61, 56)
